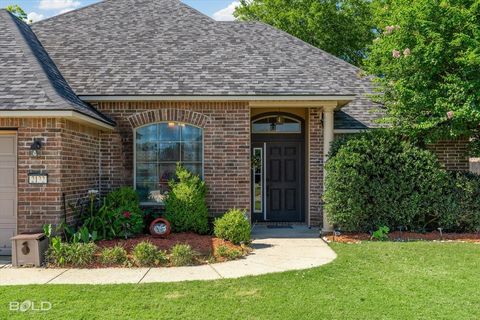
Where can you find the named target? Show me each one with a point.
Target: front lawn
(371, 280)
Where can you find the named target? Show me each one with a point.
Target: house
(116, 93)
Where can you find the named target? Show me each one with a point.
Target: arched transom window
(276, 124)
(158, 148)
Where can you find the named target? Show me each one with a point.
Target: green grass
(421, 280)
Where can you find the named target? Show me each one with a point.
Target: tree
(17, 11)
(426, 61)
(342, 28)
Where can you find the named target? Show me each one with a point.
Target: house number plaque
(37, 178)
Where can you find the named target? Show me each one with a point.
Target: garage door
(8, 190)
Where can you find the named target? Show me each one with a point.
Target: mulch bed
(406, 236)
(203, 244)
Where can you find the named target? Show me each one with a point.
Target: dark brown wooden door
(284, 181)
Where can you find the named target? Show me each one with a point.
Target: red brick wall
(70, 158)
(226, 145)
(80, 162)
(315, 141)
(37, 204)
(452, 154)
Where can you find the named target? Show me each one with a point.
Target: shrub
(228, 253)
(381, 234)
(377, 179)
(121, 197)
(463, 212)
(185, 204)
(126, 221)
(233, 226)
(181, 255)
(146, 254)
(115, 255)
(76, 254)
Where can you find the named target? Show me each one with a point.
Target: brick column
(315, 166)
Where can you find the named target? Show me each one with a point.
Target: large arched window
(158, 148)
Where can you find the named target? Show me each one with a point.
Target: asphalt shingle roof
(165, 48)
(29, 78)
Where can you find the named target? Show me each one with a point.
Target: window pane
(166, 172)
(147, 134)
(147, 152)
(169, 132)
(146, 173)
(194, 168)
(169, 151)
(190, 133)
(274, 124)
(191, 151)
(144, 190)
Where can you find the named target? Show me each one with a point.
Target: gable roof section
(30, 80)
(166, 48)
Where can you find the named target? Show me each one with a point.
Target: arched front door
(278, 170)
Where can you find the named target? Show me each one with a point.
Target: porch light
(279, 120)
(35, 147)
(171, 124)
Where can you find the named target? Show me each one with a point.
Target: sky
(41, 9)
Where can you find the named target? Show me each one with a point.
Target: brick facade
(66, 156)
(315, 160)
(78, 158)
(226, 132)
(453, 154)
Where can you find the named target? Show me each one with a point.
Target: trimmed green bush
(377, 179)
(228, 253)
(233, 226)
(126, 221)
(185, 205)
(75, 254)
(146, 254)
(115, 255)
(181, 255)
(463, 212)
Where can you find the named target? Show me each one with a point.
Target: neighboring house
(118, 92)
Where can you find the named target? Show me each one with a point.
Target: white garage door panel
(6, 233)
(8, 191)
(7, 177)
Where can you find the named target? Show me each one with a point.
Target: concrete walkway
(275, 250)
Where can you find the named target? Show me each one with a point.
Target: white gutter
(71, 115)
(215, 98)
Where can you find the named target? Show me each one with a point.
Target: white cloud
(34, 17)
(66, 10)
(58, 4)
(226, 14)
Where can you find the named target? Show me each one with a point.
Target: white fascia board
(214, 98)
(71, 115)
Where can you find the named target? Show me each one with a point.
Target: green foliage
(427, 62)
(126, 221)
(381, 233)
(114, 256)
(181, 255)
(18, 12)
(377, 179)
(122, 197)
(74, 254)
(146, 254)
(463, 212)
(185, 205)
(228, 253)
(233, 226)
(342, 28)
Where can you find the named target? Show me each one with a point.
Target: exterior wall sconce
(35, 147)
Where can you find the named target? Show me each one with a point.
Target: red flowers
(127, 214)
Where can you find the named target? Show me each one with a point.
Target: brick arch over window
(176, 115)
